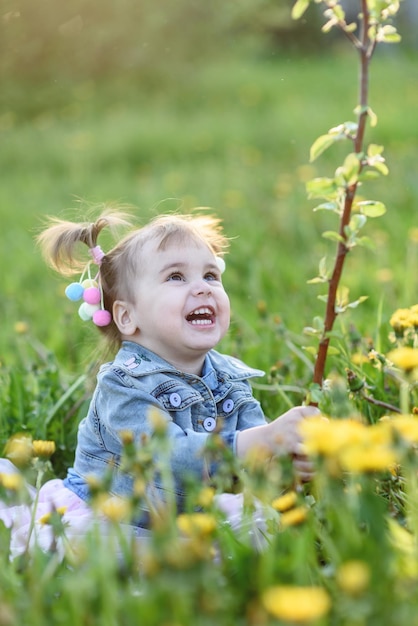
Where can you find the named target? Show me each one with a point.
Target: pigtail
(59, 241)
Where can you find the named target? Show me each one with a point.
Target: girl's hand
(282, 436)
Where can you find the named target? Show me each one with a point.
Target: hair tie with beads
(90, 290)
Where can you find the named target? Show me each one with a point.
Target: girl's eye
(176, 276)
(212, 276)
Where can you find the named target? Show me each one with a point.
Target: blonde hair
(119, 266)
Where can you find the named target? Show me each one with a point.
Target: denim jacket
(137, 380)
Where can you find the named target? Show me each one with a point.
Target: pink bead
(102, 318)
(92, 295)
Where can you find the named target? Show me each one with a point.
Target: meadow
(234, 137)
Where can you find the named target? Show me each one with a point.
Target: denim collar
(139, 361)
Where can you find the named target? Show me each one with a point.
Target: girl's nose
(202, 288)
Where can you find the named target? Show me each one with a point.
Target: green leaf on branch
(333, 351)
(333, 236)
(323, 276)
(299, 8)
(368, 175)
(366, 242)
(388, 34)
(315, 392)
(357, 221)
(373, 117)
(321, 188)
(371, 208)
(354, 305)
(347, 130)
(365, 110)
(376, 160)
(328, 206)
(317, 328)
(320, 145)
(351, 168)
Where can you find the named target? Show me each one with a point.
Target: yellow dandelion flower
(285, 502)
(157, 420)
(368, 458)
(21, 328)
(127, 437)
(406, 426)
(296, 604)
(44, 449)
(405, 358)
(358, 358)
(13, 482)
(116, 509)
(19, 449)
(328, 437)
(353, 577)
(294, 517)
(404, 545)
(206, 496)
(202, 524)
(401, 319)
(377, 434)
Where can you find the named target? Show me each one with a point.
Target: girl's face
(181, 309)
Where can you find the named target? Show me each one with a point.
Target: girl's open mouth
(203, 316)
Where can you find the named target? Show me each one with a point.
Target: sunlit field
(229, 133)
(234, 138)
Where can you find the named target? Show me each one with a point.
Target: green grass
(234, 137)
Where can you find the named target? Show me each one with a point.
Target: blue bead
(74, 291)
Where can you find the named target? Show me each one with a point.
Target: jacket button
(175, 399)
(228, 405)
(209, 424)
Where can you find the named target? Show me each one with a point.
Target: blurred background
(171, 105)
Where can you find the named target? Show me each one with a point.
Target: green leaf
(310, 350)
(358, 221)
(316, 280)
(309, 330)
(355, 304)
(328, 206)
(351, 168)
(368, 175)
(333, 236)
(320, 145)
(382, 168)
(366, 242)
(333, 351)
(374, 149)
(321, 188)
(388, 34)
(371, 208)
(299, 8)
(323, 267)
(373, 117)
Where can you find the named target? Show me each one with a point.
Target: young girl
(158, 297)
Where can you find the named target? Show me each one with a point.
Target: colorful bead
(86, 311)
(102, 318)
(92, 295)
(74, 291)
(89, 282)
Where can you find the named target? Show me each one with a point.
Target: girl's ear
(124, 317)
